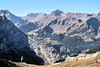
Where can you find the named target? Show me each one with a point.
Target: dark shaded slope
(14, 43)
(28, 27)
(6, 63)
(95, 23)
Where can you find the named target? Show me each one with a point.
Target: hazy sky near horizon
(23, 7)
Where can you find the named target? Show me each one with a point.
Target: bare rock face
(49, 18)
(51, 51)
(15, 19)
(34, 17)
(14, 43)
(81, 56)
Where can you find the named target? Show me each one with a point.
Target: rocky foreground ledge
(7, 63)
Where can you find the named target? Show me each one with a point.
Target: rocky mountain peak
(98, 15)
(34, 17)
(15, 19)
(56, 12)
(4, 12)
(35, 14)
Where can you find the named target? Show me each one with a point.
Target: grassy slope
(82, 63)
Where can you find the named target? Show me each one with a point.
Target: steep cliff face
(50, 50)
(14, 43)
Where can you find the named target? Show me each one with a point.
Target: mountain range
(56, 35)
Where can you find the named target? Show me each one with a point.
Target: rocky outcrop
(14, 43)
(51, 51)
(81, 56)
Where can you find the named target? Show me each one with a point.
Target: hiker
(22, 59)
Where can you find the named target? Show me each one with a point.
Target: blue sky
(23, 7)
